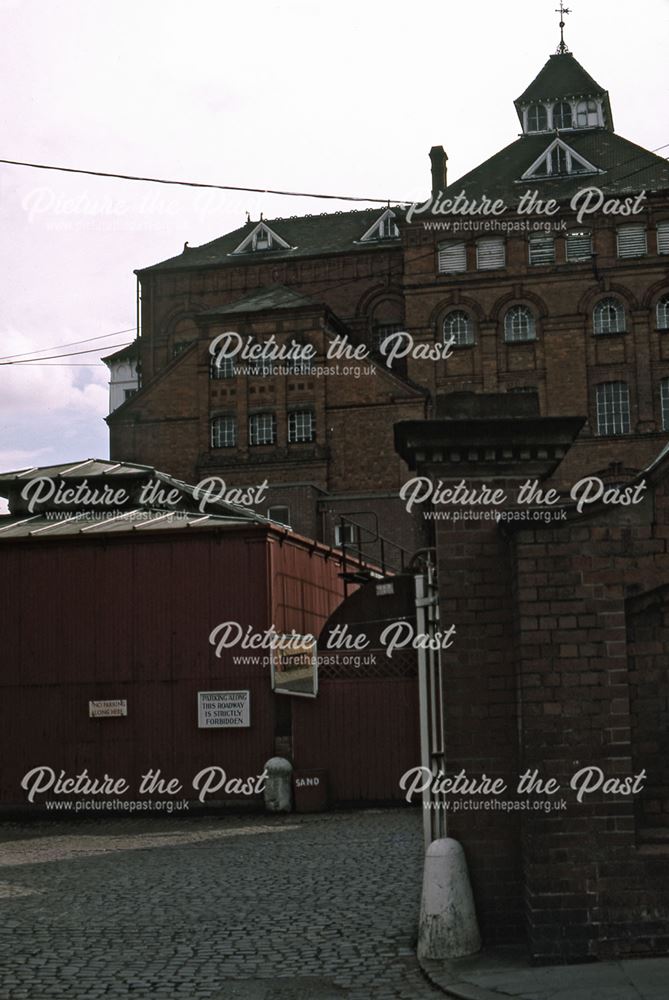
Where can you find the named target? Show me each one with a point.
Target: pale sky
(342, 98)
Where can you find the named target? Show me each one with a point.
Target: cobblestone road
(308, 907)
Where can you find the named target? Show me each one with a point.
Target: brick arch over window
(591, 297)
(459, 324)
(184, 334)
(536, 305)
(177, 314)
(376, 295)
(610, 315)
(451, 303)
(652, 296)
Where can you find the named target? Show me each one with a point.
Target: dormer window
(537, 118)
(587, 114)
(385, 228)
(261, 238)
(559, 160)
(562, 115)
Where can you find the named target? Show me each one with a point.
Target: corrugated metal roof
(91, 475)
(85, 467)
(103, 523)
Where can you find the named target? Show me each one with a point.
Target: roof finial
(562, 47)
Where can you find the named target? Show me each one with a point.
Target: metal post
(423, 707)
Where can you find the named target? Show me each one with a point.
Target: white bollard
(448, 927)
(278, 791)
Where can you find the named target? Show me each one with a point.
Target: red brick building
(573, 307)
(559, 665)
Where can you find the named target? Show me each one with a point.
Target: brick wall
(593, 887)
(474, 566)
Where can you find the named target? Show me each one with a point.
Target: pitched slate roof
(562, 76)
(628, 168)
(307, 235)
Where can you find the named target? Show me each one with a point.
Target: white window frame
(491, 253)
(353, 533)
(541, 249)
(587, 114)
(223, 432)
(279, 520)
(632, 241)
(301, 426)
(557, 114)
(662, 313)
(452, 257)
(546, 161)
(601, 317)
(613, 409)
(458, 329)
(578, 238)
(664, 403)
(537, 109)
(512, 332)
(662, 234)
(382, 330)
(384, 228)
(262, 422)
(226, 369)
(261, 233)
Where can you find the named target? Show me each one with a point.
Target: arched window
(613, 408)
(519, 324)
(609, 317)
(458, 329)
(537, 118)
(562, 116)
(663, 313)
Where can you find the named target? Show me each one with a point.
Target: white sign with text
(110, 709)
(223, 709)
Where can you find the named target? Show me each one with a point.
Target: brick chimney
(438, 159)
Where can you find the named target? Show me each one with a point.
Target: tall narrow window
(587, 115)
(664, 402)
(490, 254)
(301, 426)
(537, 118)
(663, 237)
(458, 329)
(224, 432)
(663, 313)
(452, 257)
(632, 241)
(562, 116)
(542, 249)
(519, 324)
(382, 331)
(262, 428)
(609, 317)
(579, 245)
(613, 408)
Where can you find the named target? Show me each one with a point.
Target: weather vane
(562, 10)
